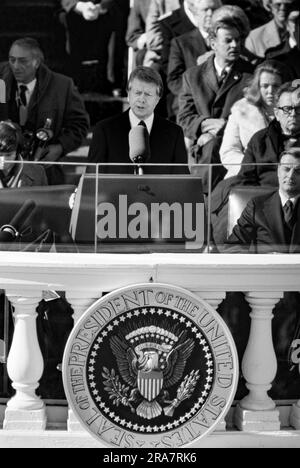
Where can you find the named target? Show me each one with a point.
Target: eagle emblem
(151, 360)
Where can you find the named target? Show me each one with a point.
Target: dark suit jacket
(264, 148)
(202, 98)
(184, 52)
(260, 228)
(110, 145)
(173, 25)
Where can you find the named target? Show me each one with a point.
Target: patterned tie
(22, 94)
(288, 211)
(222, 77)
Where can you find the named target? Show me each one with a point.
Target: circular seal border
(81, 343)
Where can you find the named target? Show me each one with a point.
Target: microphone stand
(138, 170)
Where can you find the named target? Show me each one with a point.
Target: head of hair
(227, 17)
(32, 45)
(289, 87)
(252, 92)
(10, 136)
(295, 152)
(147, 75)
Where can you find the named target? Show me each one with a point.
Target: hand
(51, 153)
(141, 42)
(151, 57)
(89, 10)
(204, 138)
(213, 126)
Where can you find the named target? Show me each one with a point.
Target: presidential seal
(150, 366)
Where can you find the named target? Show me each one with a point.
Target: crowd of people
(215, 85)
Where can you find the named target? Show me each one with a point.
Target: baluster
(257, 411)
(25, 410)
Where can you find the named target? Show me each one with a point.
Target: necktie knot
(288, 211)
(22, 94)
(142, 124)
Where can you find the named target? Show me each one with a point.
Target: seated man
(110, 142)
(14, 173)
(208, 92)
(35, 94)
(271, 223)
(275, 31)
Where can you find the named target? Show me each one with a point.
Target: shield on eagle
(150, 384)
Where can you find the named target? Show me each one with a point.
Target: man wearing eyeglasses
(276, 31)
(266, 145)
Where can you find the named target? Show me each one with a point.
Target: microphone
(10, 232)
(139, 146)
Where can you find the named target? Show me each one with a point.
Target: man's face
(227, 45)
(205, 9)
(288, 113)
(289, 175)
(143, 98)
(280, 10)
(23, 64)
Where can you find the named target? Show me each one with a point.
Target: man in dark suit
(208, 93)
(90, 25)
(110, 142)
(34, 93)
(271, 223)
(186, 49)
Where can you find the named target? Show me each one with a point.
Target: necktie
(142, 123)
(288, 211)
(222, 77)
(22, 94)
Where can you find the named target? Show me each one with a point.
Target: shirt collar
(190, 15)
(30, 86)
(134, 121)
(219, 69)
(284, 199)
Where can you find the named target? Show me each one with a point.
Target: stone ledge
(230, 439)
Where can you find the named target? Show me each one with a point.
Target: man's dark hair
(295, 152)
(228, 17)
(148, 75)
(32, 45)
(288, 87)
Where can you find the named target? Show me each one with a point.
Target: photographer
(34, 94)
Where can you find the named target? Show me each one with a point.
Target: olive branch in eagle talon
(184, 392)
(118, 392)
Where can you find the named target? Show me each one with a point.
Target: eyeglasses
(287, 110)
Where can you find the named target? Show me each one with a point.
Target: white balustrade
(265, 277)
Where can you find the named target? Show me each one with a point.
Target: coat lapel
(233, 77)
(272, 211)
(210, 73)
